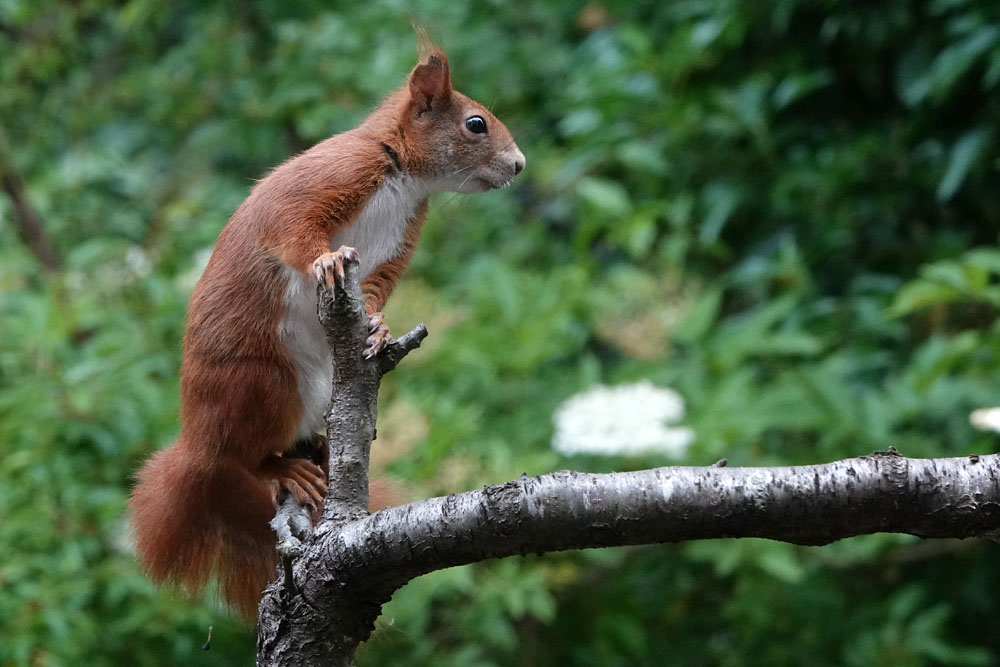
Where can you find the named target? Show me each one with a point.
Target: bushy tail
(191, 521)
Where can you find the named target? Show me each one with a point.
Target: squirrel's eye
(475, 124)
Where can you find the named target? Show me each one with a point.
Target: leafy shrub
(784, 211)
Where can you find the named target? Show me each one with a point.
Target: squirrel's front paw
(378, 335)
(329, 267)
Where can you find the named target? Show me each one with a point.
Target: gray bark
(336, 580)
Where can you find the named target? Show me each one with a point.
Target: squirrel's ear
(430, 81)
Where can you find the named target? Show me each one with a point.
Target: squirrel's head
(456, 143)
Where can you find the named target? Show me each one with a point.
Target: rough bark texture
(336, 582)
(812, 505)
(313, 614)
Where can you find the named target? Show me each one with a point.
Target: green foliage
(969, 280)
(786, 211)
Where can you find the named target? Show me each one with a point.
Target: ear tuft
(425, 45)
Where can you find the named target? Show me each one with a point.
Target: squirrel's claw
(379, 335)
(298, 477)
(329, 267)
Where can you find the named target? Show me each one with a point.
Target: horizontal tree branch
(334, 586)
(811, 505)
(366, 560)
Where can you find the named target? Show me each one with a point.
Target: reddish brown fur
(202, 506)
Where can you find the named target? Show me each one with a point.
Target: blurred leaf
(701, 316)
(955, 61)
(610, 197)
(721, 200)
(963, 153)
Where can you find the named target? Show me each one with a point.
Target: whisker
(450, 199)
(459, 171)
(464, 181)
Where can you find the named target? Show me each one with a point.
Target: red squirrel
(256, 375)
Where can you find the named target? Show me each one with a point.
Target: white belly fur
(377, 235)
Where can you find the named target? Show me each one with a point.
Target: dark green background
(787, 211)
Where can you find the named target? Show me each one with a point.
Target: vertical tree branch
(350, 421)
(316, 613)
(26, 219)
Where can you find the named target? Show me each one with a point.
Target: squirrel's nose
(518, 161)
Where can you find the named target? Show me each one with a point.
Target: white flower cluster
(626, 420)
(986, 419)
